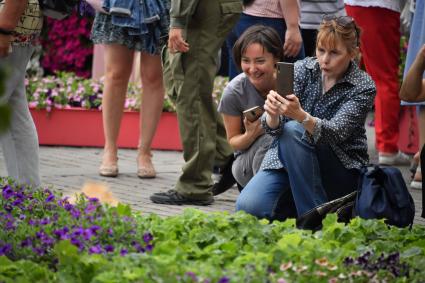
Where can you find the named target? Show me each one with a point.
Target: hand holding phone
(285, 78)
(252, 114)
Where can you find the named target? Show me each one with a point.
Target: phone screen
(285, 78)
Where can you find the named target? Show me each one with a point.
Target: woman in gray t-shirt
(256, 52)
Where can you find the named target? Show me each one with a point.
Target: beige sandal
(108, 170)
(145, 169)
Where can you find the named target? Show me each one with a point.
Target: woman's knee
(118, 75)
(254, 202)
(250, 204)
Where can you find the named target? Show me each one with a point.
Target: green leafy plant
(192, 247)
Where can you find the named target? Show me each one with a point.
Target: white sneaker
(416, 185)
(399, 158)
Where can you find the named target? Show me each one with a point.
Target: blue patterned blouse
(340, 113)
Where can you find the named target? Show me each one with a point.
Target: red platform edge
(82, 127)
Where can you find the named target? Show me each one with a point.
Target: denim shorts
(104, 32)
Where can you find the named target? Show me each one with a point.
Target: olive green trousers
(189, 79)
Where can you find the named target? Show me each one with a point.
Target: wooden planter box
(82, 127)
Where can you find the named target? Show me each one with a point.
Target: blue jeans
(312, 175)
(246, 21)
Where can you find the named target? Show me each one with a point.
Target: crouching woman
(319, 135)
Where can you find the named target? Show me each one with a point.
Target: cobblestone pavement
(67, 169)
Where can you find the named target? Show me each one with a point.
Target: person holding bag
(320, 141)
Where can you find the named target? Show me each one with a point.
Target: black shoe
(174, 198)
(226, 181)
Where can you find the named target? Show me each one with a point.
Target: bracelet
(6, 32)
(306, 119)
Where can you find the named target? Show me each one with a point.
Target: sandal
(108, 170)
(145, 169)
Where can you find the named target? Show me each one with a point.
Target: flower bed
(66, 112)
(44, 238)
(65, 90)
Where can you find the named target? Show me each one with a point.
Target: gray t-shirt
(238, 96)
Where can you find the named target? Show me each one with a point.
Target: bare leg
(151, 109)
(118, 67)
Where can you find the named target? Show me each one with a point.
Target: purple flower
(95, 228)
(22, 216)
(138, 247)
(87, 234)
(224, 279)
(93, 200)
(97, 249)
(39, 250)
(5, 249)
(147, 237)
(77, 243)
(32, 222)
(109, 248)
(9, 225)
(75, 213)
(45, 221)
(26, 242)
(50, 198)
(8, 207)
(192, 275)
(7, 192)
(62, 234)
(77, 232)
(149, 248)
(17, 202)
(40, 234)
(68, 207)
(47, 241)
(123, 252)
(90, 208)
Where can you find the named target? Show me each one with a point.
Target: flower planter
(82, 127)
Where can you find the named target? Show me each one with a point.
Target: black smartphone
(252, 114)
(285, 78)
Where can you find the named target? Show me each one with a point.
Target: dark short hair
(263, 35)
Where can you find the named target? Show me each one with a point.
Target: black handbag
(58, 9)
(383, 194)
(343, 207)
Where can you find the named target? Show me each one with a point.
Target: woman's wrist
(272, 122)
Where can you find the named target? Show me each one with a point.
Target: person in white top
(380, 41)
